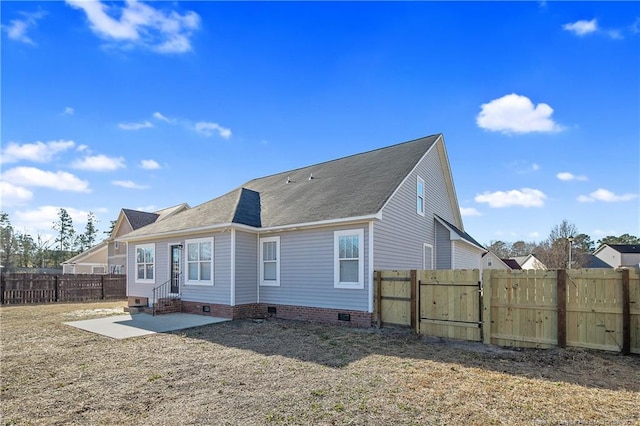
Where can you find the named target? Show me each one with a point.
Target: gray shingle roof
(625, 248)
(353, 186)
(138, 219)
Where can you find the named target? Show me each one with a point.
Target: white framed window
(348, 255)
(420, 196)
(427, 263)
(270, 261)
(199, 261)
(145, 263)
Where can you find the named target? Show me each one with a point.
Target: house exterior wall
(533, 263)
(246, 268)
(219, 292)
(466, 256)
(307, 271)
(611, 256)
(443, 246)
(117, 257)
(630, 259)
(491, 261)
(400, 236)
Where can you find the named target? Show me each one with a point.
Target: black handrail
(162, 292)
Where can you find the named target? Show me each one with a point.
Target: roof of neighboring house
(593, 261)
(512, 263)
(355, 186)
(461, 233)
(625, 248)
(102, 245)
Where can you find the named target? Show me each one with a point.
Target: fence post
(626, 314)
(414, 286)
(378, 295)
(486, 306)
(562, 307)
(102, 287)
(57, 287)
(2, 287)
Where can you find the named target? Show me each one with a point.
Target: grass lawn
(284, 372)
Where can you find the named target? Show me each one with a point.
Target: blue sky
(146, 105)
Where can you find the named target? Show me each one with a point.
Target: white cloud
(535, 167)
(606, 196)
(516, 114)
(12, 195)
(17, 28)
(68, 111)
(161, 117)
(31, 176)
(534, 234)
(135, 126)
(582, 27)
(43, 217)
(99, 163)
(525, 197)
(39, 152)
(149, 164)
(82, 148)
(141, 25)
(469, 211)
(566, 176)
(128, 184)
(208, 129)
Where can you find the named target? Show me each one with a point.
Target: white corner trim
(232, 298)
(370, 269)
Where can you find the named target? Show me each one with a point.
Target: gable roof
(511, 263)
(468, 238)
(356, 186)
(622, 248)
(102, 245)
(593, 261)
(137, 219)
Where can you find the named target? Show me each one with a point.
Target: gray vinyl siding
(443, 246)
(246, 268)
(466, 257)
(400, 236)
(307, 269)
(219, 292)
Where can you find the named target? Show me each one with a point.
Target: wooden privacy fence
(46, 288)
(589, 308)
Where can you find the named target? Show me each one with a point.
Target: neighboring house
(490, 260)
(90, 261)
(593, 262)
(617, 255)
(529, 262)
(304, 244)
(130, 220)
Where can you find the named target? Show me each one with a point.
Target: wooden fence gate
(450, 303)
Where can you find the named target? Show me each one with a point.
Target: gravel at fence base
(281, 372)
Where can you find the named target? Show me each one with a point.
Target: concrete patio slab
(125, 326)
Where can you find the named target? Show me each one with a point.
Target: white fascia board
(253, 229)
(322, 223)
(458, 237)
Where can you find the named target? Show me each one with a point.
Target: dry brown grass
(281, 372)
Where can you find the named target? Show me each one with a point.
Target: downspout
(370, 269)
(233, 268)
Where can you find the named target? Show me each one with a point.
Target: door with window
(176, 268)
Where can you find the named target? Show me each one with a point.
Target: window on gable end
(420, 196)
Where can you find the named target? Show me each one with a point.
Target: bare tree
(554, 252)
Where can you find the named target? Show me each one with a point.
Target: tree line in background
(21, 250)
(554, 251)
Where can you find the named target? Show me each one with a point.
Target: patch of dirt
(285, 372)
(95, 312)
